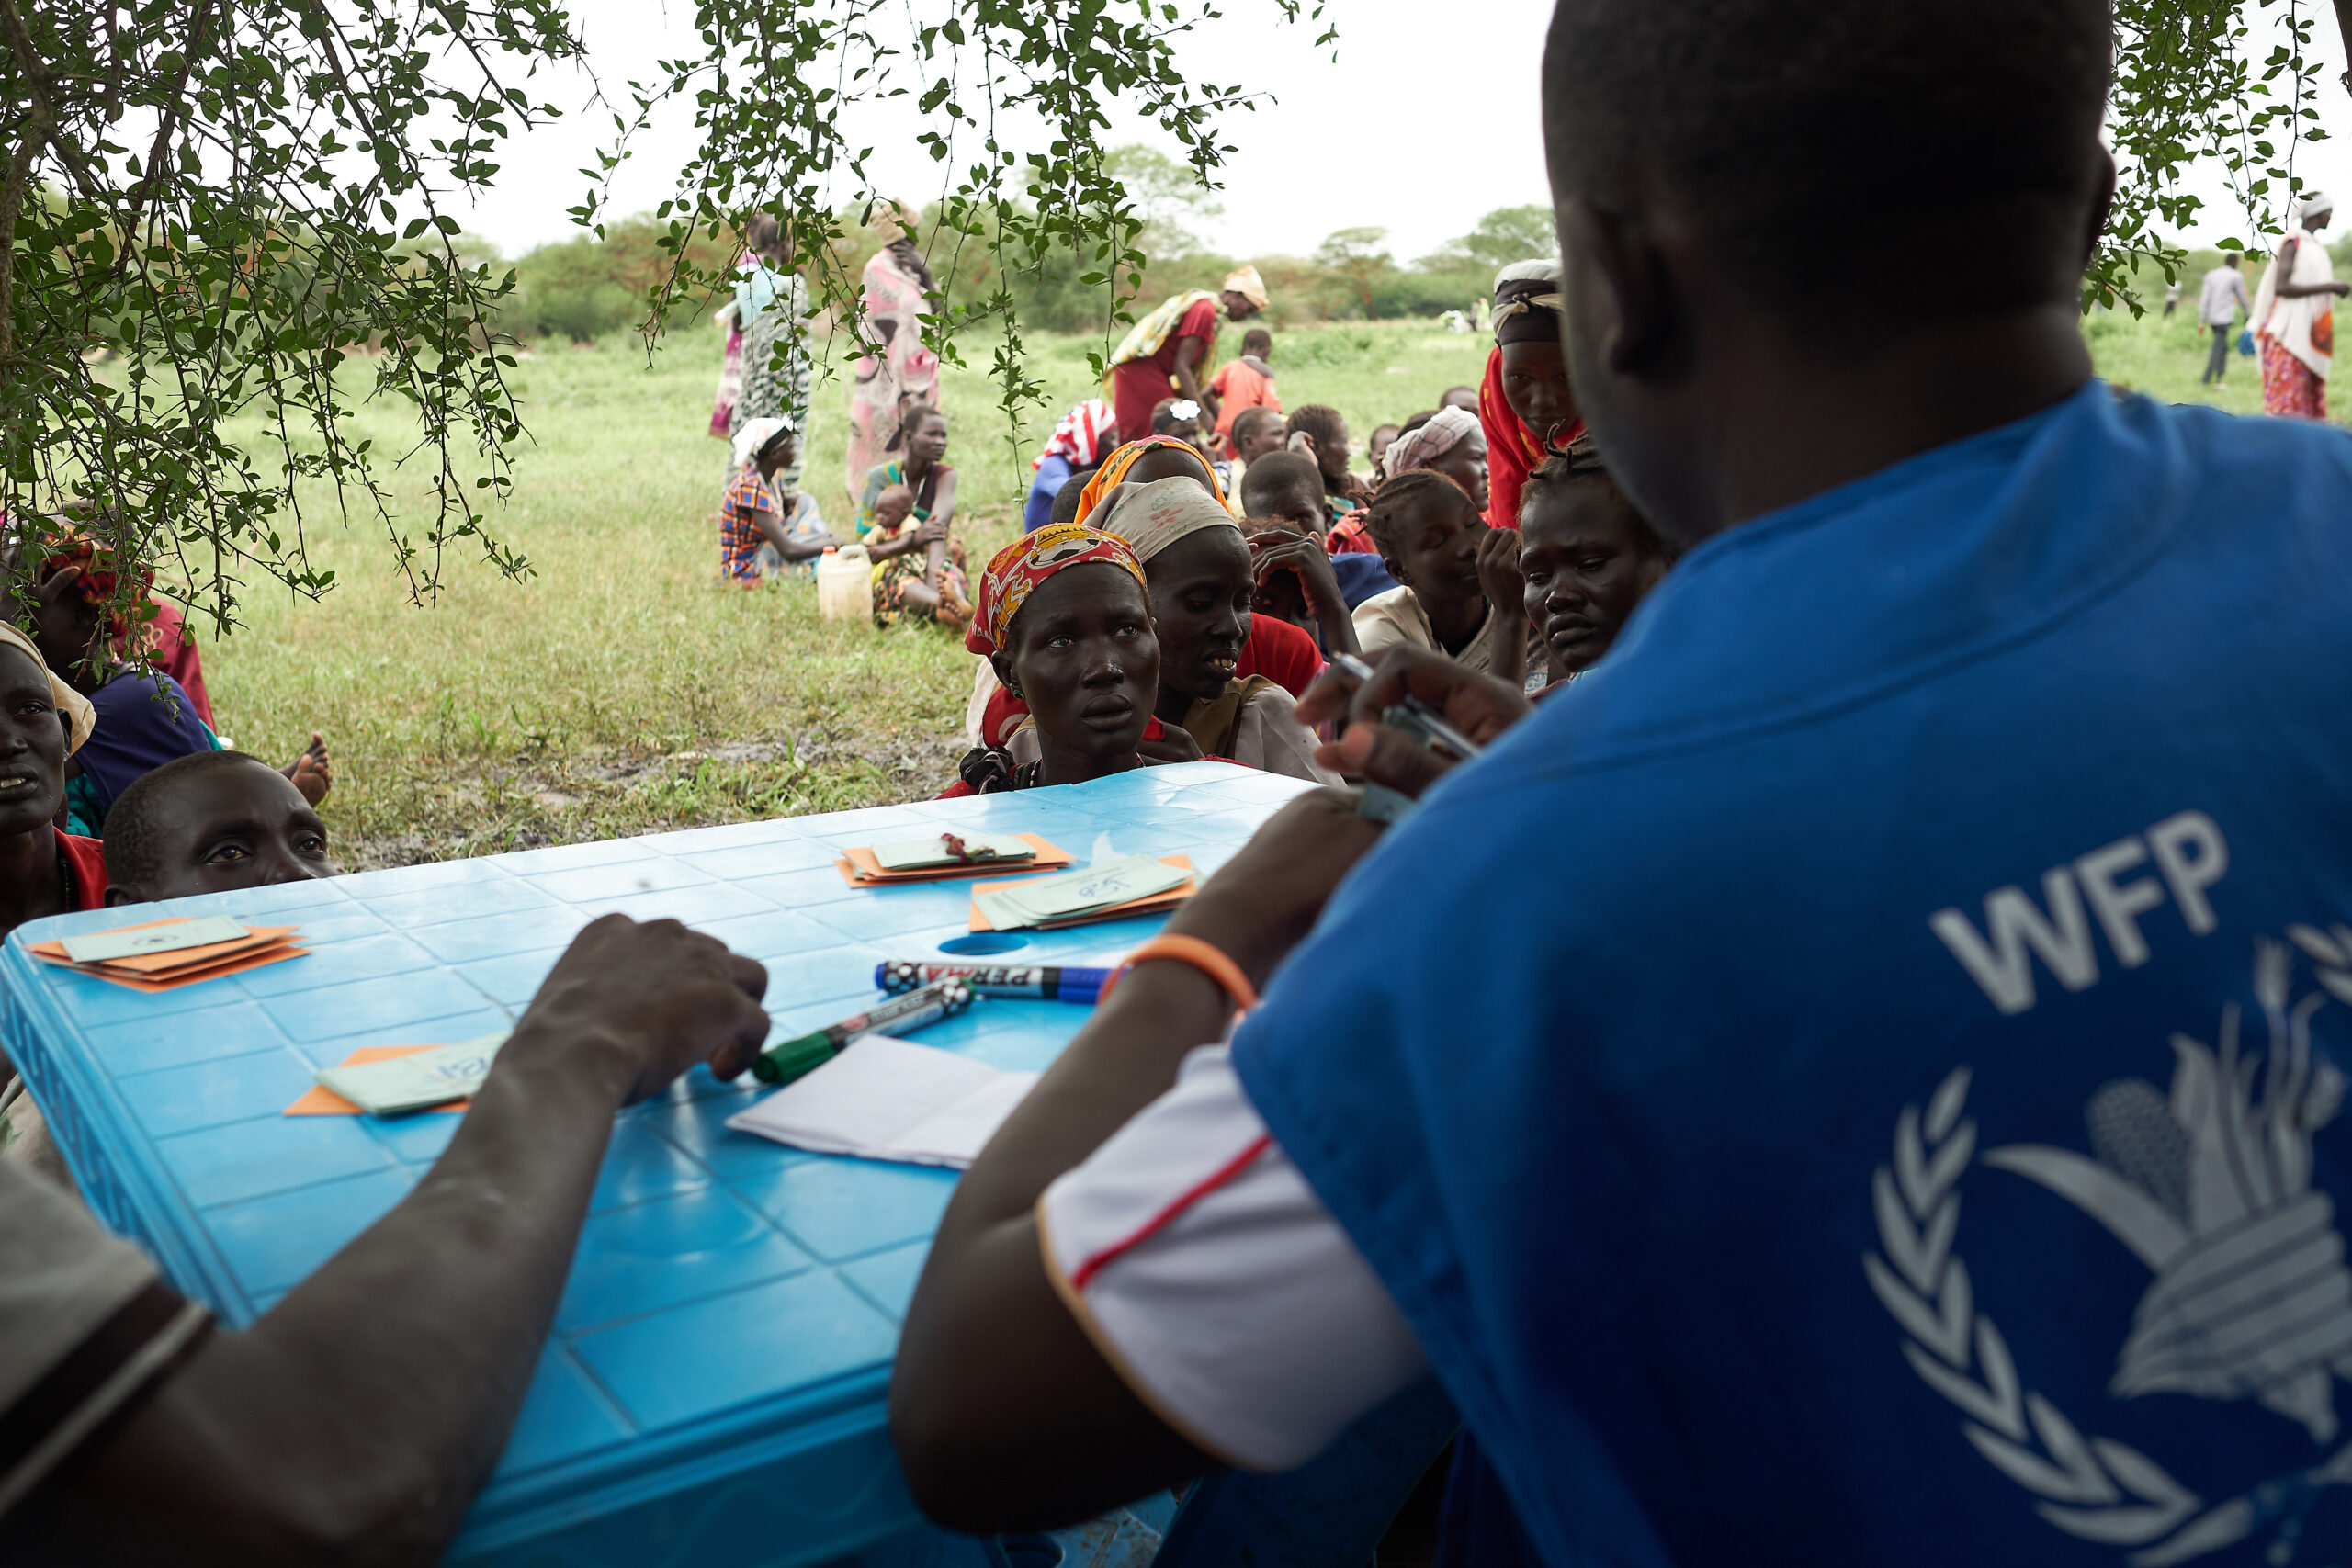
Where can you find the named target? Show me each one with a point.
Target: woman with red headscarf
(1526, 405)
(1065, 616)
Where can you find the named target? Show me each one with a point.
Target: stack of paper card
(412, 1080)
(884, 1099)
(162, 954)
(1138, 885)
(944, 855)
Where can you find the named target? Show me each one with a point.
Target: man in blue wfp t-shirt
(1860, 1078)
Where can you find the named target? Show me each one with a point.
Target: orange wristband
(1206, 957)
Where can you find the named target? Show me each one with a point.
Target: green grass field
(621, 689)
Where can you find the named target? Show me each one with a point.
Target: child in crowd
(1064, 617)
(1463, 398)
(1587, 557)
(1287, 487)
(1431, 537)
(1202, 579)
(1079, 442)
(1258, 432)
(141, 721)
(208, 823)
(1297, 587)
(1243, 384)
(760, 537)
(1376, 450)
(1322, 433)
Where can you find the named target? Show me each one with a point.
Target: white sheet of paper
(1077, 892)
(923, 854)
(884, 1099)
(100, 945)
(417, 1080)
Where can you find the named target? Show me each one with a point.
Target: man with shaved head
(1855, 1078)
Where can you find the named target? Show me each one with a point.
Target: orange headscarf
(1114, 471)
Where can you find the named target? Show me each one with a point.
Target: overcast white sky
(1422, 126)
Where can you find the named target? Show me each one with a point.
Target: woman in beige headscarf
(897, 369)
(1201, 578)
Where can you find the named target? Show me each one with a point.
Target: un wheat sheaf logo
(2210, 1187)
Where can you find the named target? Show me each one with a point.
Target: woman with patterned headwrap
(1450, 442)
(1064, 617)
(1164, 354)
(140, 721)
(1526, 405)
(897, 368)
(1078, 444)
(1140, 462)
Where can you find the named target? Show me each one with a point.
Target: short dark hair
(1258, 341)
(134, 849)
(1321, 422)
(1066, 498)
(1578, 466)
(1418, 421)
(1277, 471)
(1400, 494)
(1779, 120)
(1250, 418)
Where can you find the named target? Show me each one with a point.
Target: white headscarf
(1244, 280)
(2317, 201)
(79, 717)
(1419, 448)
(1150, 517)
(755, 434)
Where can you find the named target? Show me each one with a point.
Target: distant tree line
(583, 288)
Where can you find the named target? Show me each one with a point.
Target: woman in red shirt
(1526, 405)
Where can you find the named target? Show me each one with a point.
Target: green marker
(899, 1015)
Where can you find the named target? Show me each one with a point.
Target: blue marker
(1036, 983)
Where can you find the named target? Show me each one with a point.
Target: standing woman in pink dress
(896, 367)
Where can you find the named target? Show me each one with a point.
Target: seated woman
(1285, 653)
(1525, 405)
(43, 869)
(1431, 537)
(1587, 557)
(1078, 442)
(141, 721)
(1201, 578)
(1065, 617)
(913, 572)
(1452, 443)
(759, 534)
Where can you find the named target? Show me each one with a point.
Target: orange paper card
(859, 869)
(185, 967)
(1157, 903)
(237, 964)
(324, 1101)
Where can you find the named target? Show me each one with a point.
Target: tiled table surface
(713, 1390)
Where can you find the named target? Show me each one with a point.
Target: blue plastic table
(714, 1390)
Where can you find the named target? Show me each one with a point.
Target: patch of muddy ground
(452, 808)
